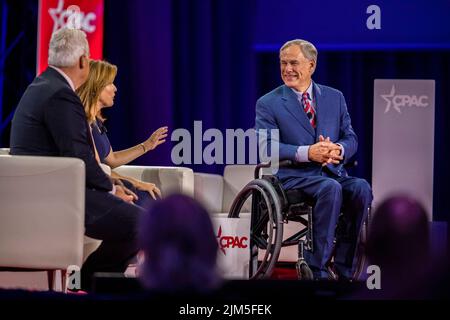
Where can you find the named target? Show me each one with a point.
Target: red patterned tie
(310, 113)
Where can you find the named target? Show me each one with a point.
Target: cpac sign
(227, 242)
(72, 17)
(86, 15)
(402, 100)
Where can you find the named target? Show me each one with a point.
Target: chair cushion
(208, 190)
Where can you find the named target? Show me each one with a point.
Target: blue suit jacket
(280, 109)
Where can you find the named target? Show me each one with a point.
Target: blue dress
(103, 148)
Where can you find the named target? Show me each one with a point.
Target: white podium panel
(233, 236)
(403, 140)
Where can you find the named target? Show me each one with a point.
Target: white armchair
(217, 194)
(42, 214)
(42, 201)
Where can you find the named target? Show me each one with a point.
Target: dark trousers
(118, 230)
(333, 195)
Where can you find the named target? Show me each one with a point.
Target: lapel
(291, 103)
(322, 111)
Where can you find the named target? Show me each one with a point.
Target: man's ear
(82, 62)
(313, 65)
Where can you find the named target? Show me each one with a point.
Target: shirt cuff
(302, 154)
(342, 149)
(113, 191)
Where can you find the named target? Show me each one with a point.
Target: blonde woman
(97, 93)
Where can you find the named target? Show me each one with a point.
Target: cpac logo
(226, 242)
(402, 100)
(72, 17)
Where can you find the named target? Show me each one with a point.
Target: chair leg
(51, 279)
(63, 281)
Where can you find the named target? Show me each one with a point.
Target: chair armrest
(208, 190)
(167, 179)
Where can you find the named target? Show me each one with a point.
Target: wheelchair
(271, 208)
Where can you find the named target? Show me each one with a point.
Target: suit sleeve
(347, 136)
(67, 123)
(265, 124)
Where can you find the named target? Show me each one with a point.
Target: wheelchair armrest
(282, 163)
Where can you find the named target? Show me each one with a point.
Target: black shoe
(336, 275)
(342, 278)
(332, 275)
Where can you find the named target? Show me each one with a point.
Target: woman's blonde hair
(101, 74)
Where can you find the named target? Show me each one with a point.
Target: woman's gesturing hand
(157, 138)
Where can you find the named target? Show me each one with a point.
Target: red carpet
(284, 272)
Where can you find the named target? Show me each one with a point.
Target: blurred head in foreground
(399, 243)
(179, 246)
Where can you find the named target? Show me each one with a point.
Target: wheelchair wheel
(303, 270)
(266, 226)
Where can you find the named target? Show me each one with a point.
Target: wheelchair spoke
(261, 223)
(260, 242)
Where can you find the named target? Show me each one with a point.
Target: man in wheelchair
(315, 133)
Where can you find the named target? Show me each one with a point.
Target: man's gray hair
(307, 48)
(66, 47)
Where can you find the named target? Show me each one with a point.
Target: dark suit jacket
(280, 109)
(50, 121)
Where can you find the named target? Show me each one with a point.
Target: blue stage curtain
(138, 39)
(213, 65)
(179, 61)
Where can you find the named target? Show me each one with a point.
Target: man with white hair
(50, 121)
